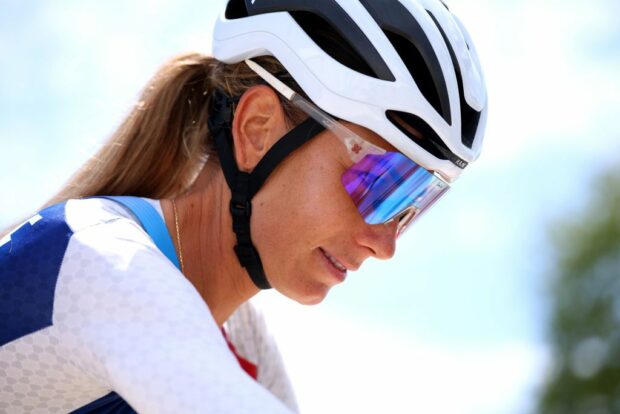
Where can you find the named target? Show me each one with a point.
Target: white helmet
(415, 66)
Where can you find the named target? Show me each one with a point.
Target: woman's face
(306, 227)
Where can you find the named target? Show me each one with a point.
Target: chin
(308, 295)
(311, 300)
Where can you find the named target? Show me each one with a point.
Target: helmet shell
(394, 39)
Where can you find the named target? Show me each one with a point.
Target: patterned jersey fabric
(90, 309)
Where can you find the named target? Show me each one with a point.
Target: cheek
(292, 209)
(300, 208)
(318, 201)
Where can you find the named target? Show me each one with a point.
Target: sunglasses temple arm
(356, 146)
(348, 138)
(314, 113)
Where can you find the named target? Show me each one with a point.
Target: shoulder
(98, 214)
(106, 238)
(112, 263)
(73, 252)
(117, 293)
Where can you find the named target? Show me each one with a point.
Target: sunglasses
(385, 186)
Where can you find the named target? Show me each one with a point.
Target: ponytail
(155, 152)
(159, 149)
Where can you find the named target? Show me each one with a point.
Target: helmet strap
(243, 185)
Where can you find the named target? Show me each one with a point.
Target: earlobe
(258, 123)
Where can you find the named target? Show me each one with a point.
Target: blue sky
(457, 318)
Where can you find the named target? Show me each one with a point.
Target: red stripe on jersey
(250, 368)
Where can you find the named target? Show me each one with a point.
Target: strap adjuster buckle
(238, 209)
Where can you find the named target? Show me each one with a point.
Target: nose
(380, 239)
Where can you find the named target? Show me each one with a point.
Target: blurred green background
(584, 291)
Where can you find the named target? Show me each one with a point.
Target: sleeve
(134, 323)
(249, 334)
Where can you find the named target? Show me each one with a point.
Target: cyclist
(314, 136)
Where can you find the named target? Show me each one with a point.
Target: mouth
(336, 268)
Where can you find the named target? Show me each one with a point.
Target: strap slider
(240, 209)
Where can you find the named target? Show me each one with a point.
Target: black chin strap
(244, 186)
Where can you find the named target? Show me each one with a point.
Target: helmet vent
(235, 9)
(415, 49)
(419, 132)
(422, 134)
(469, 116)
(331, 28)
(339, 48)
(419, 70)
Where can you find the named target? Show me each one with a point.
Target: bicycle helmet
(416, 67)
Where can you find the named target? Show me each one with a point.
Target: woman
(317, 133)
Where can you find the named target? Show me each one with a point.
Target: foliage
(585, 324)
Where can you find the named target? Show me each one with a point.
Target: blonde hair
(164, 142)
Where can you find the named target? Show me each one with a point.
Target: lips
(336, 268)
(334, 261)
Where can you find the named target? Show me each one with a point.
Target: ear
(259, 122)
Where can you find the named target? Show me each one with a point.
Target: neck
(207, 240)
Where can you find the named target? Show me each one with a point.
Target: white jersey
(94, 317)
